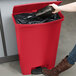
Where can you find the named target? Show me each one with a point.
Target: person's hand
(56, 7)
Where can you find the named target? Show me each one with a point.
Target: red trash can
(37, 43)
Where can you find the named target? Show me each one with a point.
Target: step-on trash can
(37, 43)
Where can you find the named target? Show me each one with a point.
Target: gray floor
(66, 43)
(68, 33)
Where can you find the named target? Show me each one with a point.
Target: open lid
(32, 7)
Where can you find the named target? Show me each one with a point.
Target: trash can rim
(28, 25)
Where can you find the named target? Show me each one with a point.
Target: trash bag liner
(24, 18)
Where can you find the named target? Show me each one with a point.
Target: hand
(56, 7)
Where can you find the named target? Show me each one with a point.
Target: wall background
(9, 45)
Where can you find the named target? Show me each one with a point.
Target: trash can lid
(20, 8)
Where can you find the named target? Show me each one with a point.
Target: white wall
(8, 26)
(1, 47)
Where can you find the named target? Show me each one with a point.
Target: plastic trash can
(37, 43)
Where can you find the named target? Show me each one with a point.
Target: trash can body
(37, 43)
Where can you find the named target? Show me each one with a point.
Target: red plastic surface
(37, 43)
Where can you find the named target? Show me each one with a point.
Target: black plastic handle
(52, 9)
(45, 10)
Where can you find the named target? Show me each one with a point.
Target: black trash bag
(28, 18)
